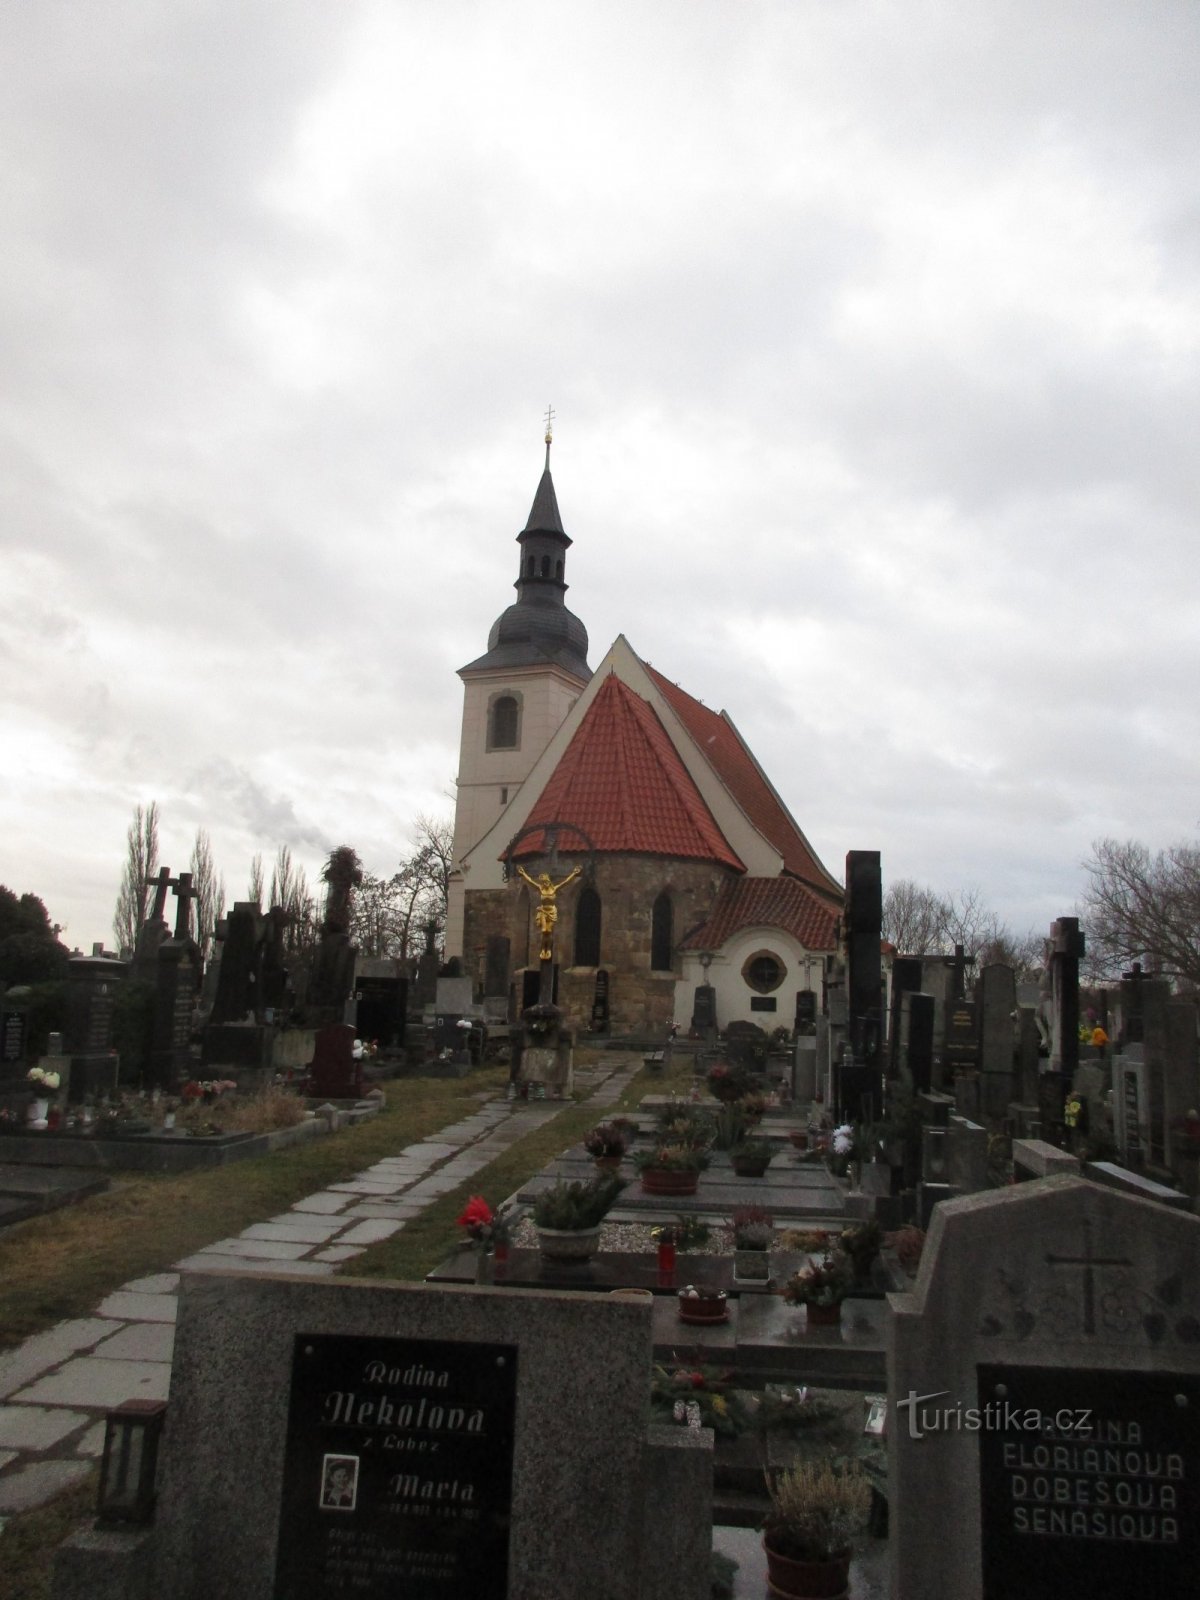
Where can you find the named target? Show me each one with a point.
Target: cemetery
(753, 1254)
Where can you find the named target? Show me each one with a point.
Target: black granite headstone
(12, 1036)
(1101, 1495)
(399, 1468)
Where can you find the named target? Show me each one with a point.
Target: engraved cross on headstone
(1089, 1263)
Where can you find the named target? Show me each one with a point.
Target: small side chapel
(701, 874)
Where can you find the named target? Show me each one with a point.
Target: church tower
(517, 695)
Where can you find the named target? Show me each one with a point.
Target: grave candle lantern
(127, 1471)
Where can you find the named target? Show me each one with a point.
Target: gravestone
(92, 984)
(326, 1439)
(1130, 1105)
(906, 979)
(14, 1025)
(425, 985)
(997, 1003)
(1044, 1400)
(1023, 1111)
(1172, 1078)
(176, 990)
(381, 1002)
(236, 1038)
(916, 1040)
(863, 916)
(704, 1011)
(335, 1074)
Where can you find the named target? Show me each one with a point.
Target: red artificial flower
(478, 1214)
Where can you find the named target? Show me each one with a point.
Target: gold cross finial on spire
(549, 433)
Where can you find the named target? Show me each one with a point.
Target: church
(696, 872)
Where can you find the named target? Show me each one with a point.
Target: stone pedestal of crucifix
(547, 1056)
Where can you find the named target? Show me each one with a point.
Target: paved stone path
(57, 1386)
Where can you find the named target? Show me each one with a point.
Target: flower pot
(37, 1113)
(824, 1316)
(807, 1580)
(752, 1266)
(606, 1163)
(569, 1244)
(658, 1180)
(703, 1310)
(751, 1169)
(799, 1137)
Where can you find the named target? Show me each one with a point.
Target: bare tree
(290, 891)
(209, 887)
(255, 891)
(912, 918)
(434, 839)
(141, 863)
(1139, 907)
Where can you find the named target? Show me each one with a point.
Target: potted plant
(606, 1144)
(753, 1106)
(567, 1216)
(751, 1157)
(726, 1083)
(753, 1235)
(861, 1242)
(704, 1306)
(816, 1509)
(671, 1169)
(820, 1287)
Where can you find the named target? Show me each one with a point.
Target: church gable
(622, 782)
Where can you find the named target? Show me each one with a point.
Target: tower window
(504, 723)
(558, 570)
(545, 566)
(587, 928)
(660, 933)
(531, 566)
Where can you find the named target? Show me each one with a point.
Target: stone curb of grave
(57, 1382)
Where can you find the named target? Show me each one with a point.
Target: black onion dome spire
(539, 628)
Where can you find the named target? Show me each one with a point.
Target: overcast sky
(872, 334)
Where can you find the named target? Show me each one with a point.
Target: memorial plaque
(13, 1036)
(962, 1035)
(1097, 1494)
(398, 1475)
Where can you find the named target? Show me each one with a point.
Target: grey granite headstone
(998, 1002)
(570, 1470)
(1044, 1399)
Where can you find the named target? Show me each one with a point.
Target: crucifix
(1089, 1263)
(549, 433)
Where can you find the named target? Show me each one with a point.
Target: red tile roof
(767, 902)
(621, 781)
(722, 746)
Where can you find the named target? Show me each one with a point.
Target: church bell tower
(517, 695)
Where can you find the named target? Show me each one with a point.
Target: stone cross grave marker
(1044, 1387)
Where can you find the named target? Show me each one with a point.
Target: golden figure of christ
(546, 914)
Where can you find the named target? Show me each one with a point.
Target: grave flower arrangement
(672, 1158)
(485, 1227)
(824, 1283)
(673, 1390)
(541, 1019)
(685, 1233)
(726, 1083)
(681, 1124)
(44, 1079)
(567, 1216)
(861, 1243)
(606, 1142)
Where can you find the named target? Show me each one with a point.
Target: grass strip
(59, 1265)
(28, 1541)
(429, 1238)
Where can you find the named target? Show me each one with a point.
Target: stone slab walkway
(56, 1387)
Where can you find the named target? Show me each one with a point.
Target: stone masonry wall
(640, 1001)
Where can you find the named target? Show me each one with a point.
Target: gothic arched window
(587, 928)
(661, 939)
